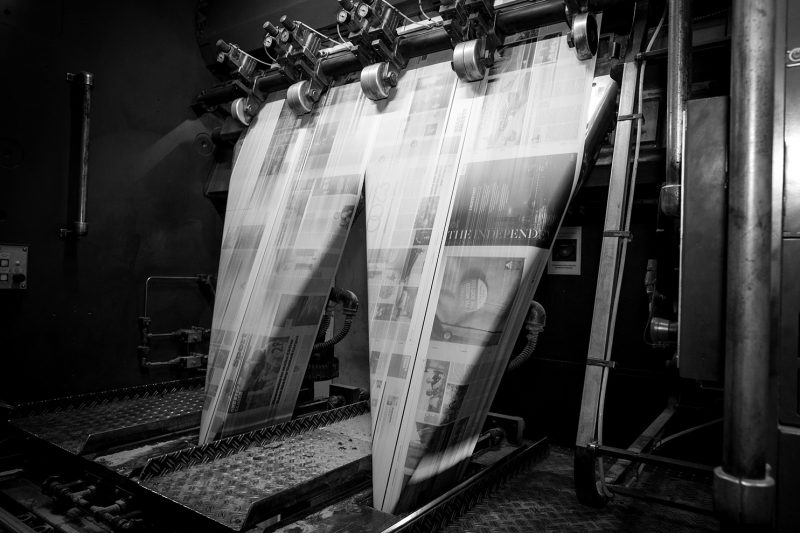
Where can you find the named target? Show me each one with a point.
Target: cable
(269, 56)
(318, 33)
(339, 32)
(422, 11)
(398, 11)
(665, 440)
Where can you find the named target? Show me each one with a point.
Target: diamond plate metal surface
(70, 424)
(543, 499)
(227, 488)
(196, 455)
(93, 399)
(448, 507)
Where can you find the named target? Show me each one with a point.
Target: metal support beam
(679, 68)
(743, 486)
(642, 443)
(612, 261)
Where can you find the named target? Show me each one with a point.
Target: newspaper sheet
(294, 189)
(463, 204)
(466, 185)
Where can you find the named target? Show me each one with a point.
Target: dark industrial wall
(74, 329)
(546, 390)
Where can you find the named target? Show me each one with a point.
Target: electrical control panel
(13, 266)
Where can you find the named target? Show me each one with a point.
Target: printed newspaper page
(281, 252)
(479, 205)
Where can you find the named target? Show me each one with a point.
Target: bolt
(570, 40)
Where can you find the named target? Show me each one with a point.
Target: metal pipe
(749, 220)
(743, 486)
(679, 66)
(81, 228)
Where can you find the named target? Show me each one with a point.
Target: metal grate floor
(543, 499)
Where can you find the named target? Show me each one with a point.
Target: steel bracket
(620, 234)
(632, 116)
(601, 362)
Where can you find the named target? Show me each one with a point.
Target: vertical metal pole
(679, 69)
(743, 486)
(81, 227)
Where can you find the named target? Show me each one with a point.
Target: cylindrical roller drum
(297, 98)
(238, 110)
(468, 60)
(584, 34)
(376, 81)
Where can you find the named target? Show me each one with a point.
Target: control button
(3, 262)
(18, 278)
(3, 277)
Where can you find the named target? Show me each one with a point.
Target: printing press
(656, 357)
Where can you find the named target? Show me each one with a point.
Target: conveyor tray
(488, 469)
(90, 422)
(255, 477)
(543, 499)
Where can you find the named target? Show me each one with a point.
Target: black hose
(524, 355)
(349, 302)
(341, 334)
(537, 317)
(323, 328)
